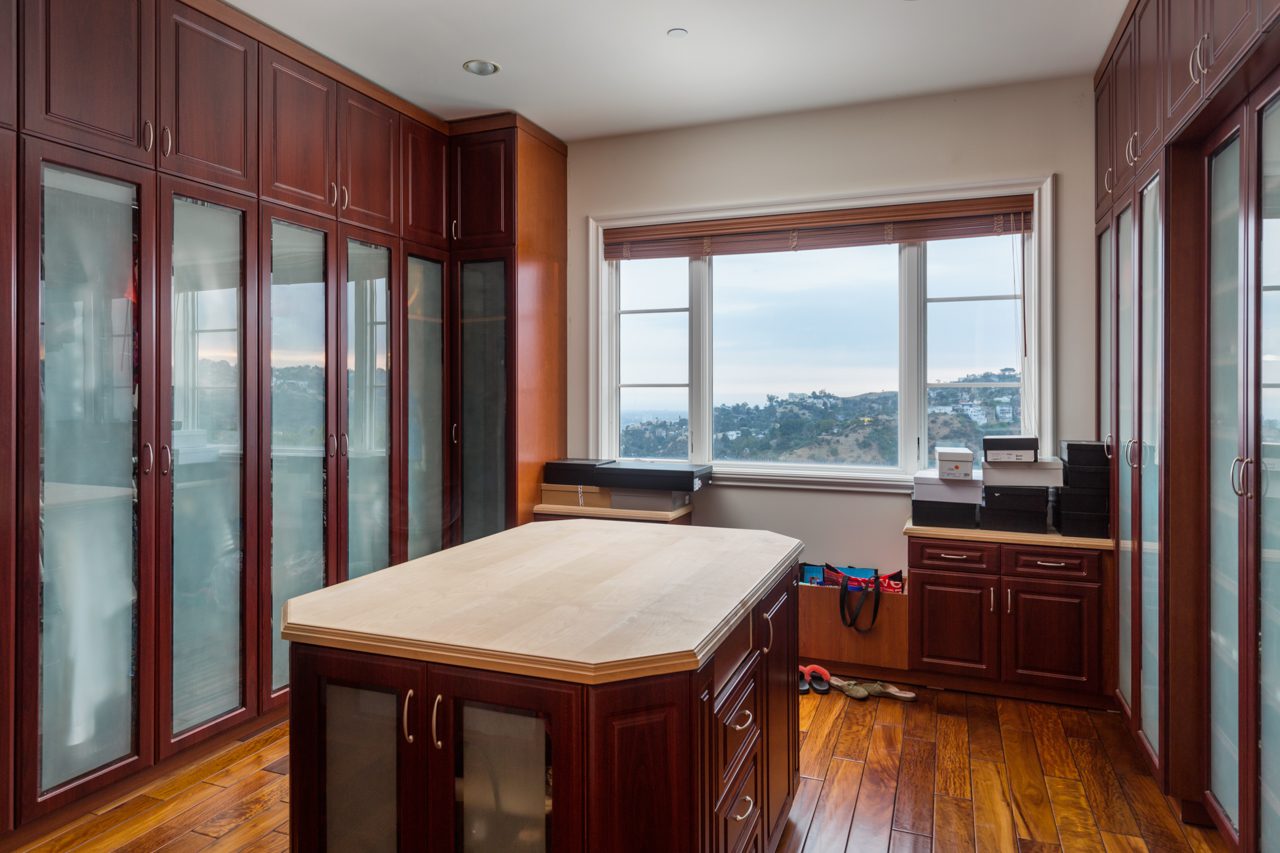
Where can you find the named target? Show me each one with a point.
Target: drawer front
(1050, 563)
(737, 727)
(738, 813)
(952, 556)
(731, 653)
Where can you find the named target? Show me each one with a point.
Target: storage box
(559, 495)
(650, 499)
(1083, 453)
(1011, 448)
(1020, 498)
(955, 463)
(1092, 501)
(1013, 520)
(1086, 524)
(1087, 477)
(929, 486)
(1043, 472)
(943, 514)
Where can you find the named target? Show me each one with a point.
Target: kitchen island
(566, 686)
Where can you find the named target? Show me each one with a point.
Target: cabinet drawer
(953, 556)
(1057, 563)
(737, 727)
(733, 650)
(738, 813)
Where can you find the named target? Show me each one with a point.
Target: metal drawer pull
(751, 804)
(346, 198)
(1106, 180)
(769, 621)
(1049, 565)
(953, 556)
(1010, 600)
(1191, 63)
(168, 141)
(148, 135)
(993, 599)
(435, 710)
(1107, 445)
(745, 723)
(1236, 489)
(453, 229)
(404, 718)
(166, 457)
(333, 188)
(1200, 56)
(1247, 463)
(151, 457)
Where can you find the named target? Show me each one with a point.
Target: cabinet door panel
(781, 702)
(1050, 634)
(484, 397)
(1103, 145)
(1147, 103)
(1231, 27)
(8, 459)
(953, 624)
(208, 99)
(425, 156)
(8, 64)
(90, 74)
(1123, 125)
(483, 189)
(298, 134)
(1268, 10)
(1182, 85)
(427, 339)
(369, 177)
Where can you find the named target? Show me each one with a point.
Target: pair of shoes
(888, 691)
(816, 678)
(852, 689)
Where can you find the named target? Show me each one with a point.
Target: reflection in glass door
(424, 304)
(1226, 243)
(89, 433)
(484, 398)
(205, 457)
(1151, 296)
(299, 417)
(1124, 441)
(1106, 328)
(503, 794)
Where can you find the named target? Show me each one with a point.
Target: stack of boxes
(1082, 507)
(1016, 484)
(949, 495)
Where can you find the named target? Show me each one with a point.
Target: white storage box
(930, 486)
(955, 463)
(1045, 472)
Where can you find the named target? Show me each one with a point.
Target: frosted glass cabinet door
(1106, 329)
(1226, 359)
(1149, 457)
(424, 305)
(1124, 440)
(483, 291)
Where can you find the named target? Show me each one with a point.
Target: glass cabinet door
(424, 308)
(483, 289)
(1226, 361)
(1148, 457)
(1125, 424)
(1106, 330)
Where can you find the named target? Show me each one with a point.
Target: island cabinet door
(777, 619)
(506, 763)
(358, 742)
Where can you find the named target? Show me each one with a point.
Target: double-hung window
(829, 344)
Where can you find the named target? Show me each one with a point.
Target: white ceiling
(584, 68)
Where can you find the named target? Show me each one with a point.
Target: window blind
(825, 229)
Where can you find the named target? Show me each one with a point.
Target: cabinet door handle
(1236, 489)
(404, 717)
(1128, 452)
(993, 600)
(1136, 152)
(168, 141)
(1046, 564)
(346, 198)
(333, 188)
(953, 556)
(343, 444)
(1010, 601)
(1191, 63)
(1200, 56)
(453, 229)
(768, 621)
(745, 723)
(751, 804)
(1247, 463)
(166, 460)
(1107, 443)
(453, 433)
(148, 135)
(435, 711)
(331, 443)
(151, 457)
(1106, 179)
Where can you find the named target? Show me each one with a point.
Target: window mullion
(700, 360)
(912, 393)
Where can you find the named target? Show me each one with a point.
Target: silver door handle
(1136, 152)
(168, 141)
(751, 804)
(745, 723)
(151, 457)
(1191, 63)
(768, 621)
(1106, 179)
(346, 198)
(331, 444)
(1128, 145)
(1247, 463)
(435, 710)
(333, 188)
(1236, 489)
(343, 444)
(1107, 443)
(1010, 600)
(1128, 452)
(453, 229)
(166, 460)
(148, 135)
(404, 717)
(1200, 56)
(453, 433)
(993, 600)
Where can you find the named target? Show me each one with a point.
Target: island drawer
(739, 812)
(953, 556)
(1050, 563)
(737, 726)
(732, 652)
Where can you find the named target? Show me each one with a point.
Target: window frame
(1038, 367)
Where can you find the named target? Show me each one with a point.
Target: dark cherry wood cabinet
(369, 169)
(1230, 28)
(482, 189)
(358, 717)
(90, 74)
(1050, 635)
(208, 82)
(8, 63)
(1104, 169)
(424, 157)
(298, 134)
(1123, 75)
(777, 624)
(954, 627)
(1148, 138)
(1181, 43)
(8, 460)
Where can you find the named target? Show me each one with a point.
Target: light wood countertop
(581, 600)
(1007, 537)
(612, 512)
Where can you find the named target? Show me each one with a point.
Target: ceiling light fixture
(481, 67)
(677, 32)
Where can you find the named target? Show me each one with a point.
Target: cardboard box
(1011, 448)
(650, 499)
(560, 495)
(929, 486)
(1043, 472)
(955, 463)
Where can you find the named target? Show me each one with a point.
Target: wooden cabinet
(8, 458)
(369, 171)
(363, 719)
(1049, 634)
(298, 134)
(424, 156)
(954, 625)
(777, 623)
(8, 63)
(208, 127)
(482, 189)
(1148, 138)
(1268, 12)
(1103, 145)
(1201, 42)
(1180, 43)
(1230, 28)
(1123, 121)
(90, 74)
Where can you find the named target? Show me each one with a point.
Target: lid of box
(1044, 463)
(1010, 442)
(664, 476)
(962, 454)
(930, 477)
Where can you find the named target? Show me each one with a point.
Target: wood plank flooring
(952, 772)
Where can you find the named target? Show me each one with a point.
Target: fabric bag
(867, 583)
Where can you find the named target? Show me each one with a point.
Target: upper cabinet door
(208, 99)
(298, 141)
(1104, 178)
(1147, 104)
(1180, 42)
(1268, 10)
(369, 179)
(424, 153)
(9, 63)
(1122, 134)
(483, 190)
(90, 74)
(1229, 29)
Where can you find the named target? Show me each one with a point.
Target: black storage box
(608, 473)
(1087, 524)
(1016, 521)
(1011, 448)
(1086, 476)
(1020, 498)
(1088, 453)
(1092, 501)
(943, 514)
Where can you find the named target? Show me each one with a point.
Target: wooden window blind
(825, 229)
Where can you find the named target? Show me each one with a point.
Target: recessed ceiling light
(481, 67)
(677, 32)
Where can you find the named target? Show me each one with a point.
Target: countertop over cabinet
(1006, 537)
(583, 600)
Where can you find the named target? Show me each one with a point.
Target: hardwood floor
(951, 772)
(958, 772)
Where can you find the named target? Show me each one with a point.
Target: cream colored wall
(1011, 132)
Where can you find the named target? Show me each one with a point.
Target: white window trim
(1038, 305)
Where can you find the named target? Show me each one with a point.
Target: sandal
(818, 679)
(804, 683)
(888, 691)
(852, 689)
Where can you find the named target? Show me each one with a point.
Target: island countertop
(584, 600)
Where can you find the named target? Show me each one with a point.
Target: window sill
(804, 479)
